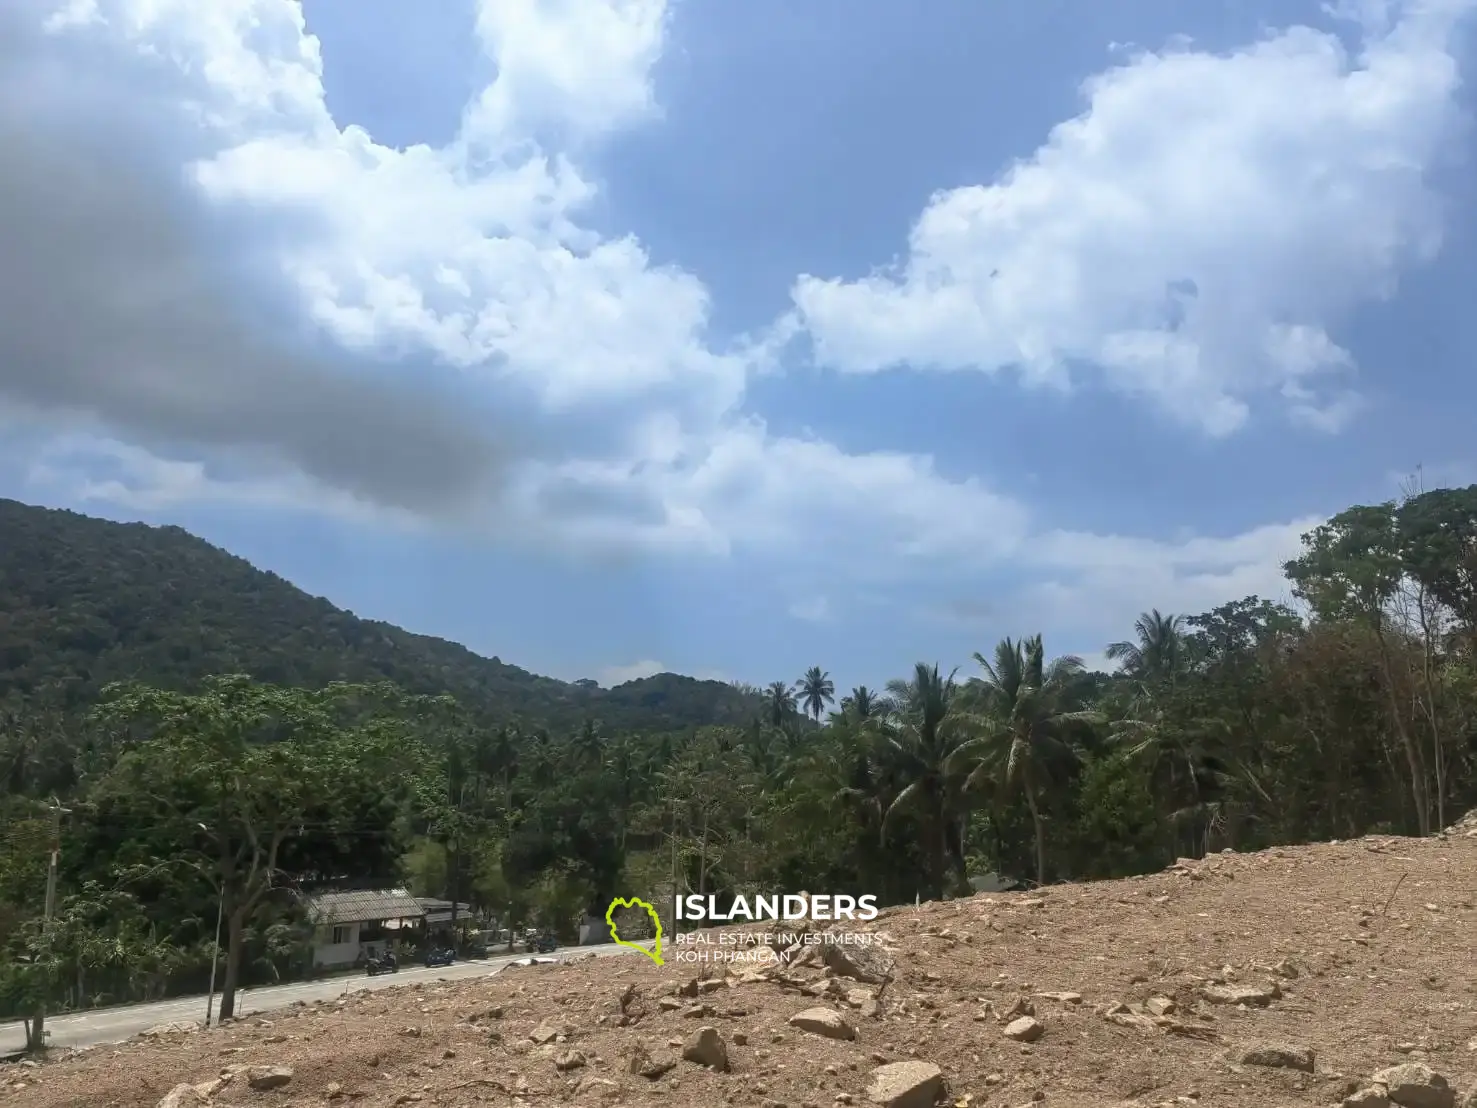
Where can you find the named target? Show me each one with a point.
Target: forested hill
(85, 601)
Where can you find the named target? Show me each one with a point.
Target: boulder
(1024, 1030)
(651, 1064)
(1415, 1085)
(824, 1021)
(707, 1048)
(906, 1085)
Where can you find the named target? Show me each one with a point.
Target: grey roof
(439, 911)
(365, 906)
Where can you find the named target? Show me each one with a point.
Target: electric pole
(38, 1023)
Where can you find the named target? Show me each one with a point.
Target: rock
(824, 1021)
(1021, 1007)
(1278, 1056)
(548, 1033)
(182, 1096)
(906, 1085)
(1159, 1006)
(1254, 996)
(1061, 998)
(707, 1048)
(651, 1064)
(1024, 1030)
(1415, 1085)
(265, 1078)
(1369, 1097)
(870, 964)
(567, 1060)
(333, 1091)
(178, 1027)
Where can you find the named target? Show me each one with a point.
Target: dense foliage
(350, 753)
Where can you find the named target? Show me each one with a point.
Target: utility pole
(38, 1023)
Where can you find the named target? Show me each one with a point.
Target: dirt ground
(1288, 977)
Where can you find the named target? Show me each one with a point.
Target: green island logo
(636, 902)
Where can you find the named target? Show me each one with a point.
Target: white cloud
(1187, 166)
(611, 676)
(1197, 233)
(567, 63)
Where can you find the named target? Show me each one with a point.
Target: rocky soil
(1341, 973)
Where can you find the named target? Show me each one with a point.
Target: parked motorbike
(376, 966)
(440, 957)
(544, 943)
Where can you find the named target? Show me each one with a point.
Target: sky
(610, 337)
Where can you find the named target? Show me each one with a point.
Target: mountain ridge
(85, 601)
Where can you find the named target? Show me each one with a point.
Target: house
(437, 913)
(351, 925)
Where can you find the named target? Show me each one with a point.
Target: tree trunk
(1418, 788)
(1040, 831)
(235, 940)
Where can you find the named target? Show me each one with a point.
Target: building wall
(328, 953)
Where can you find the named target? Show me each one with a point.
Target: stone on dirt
(1024, 1030)
(707, 1048)
(870, 964)
(1253, 996)
(824, 1021)
(265, 1078)
(1416, 1085)
(182, 1096)
(1279, 1056)
(906, 1085)
(651, 1064)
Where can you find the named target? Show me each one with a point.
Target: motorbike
(544, 943)
(440, 957)
(376, 966)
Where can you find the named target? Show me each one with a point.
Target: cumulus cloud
(1197, 234)
(606, 417)
(110, 310)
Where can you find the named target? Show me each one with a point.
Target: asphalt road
(113, 1025)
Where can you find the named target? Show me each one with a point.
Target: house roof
(439, 911)
(364, 906)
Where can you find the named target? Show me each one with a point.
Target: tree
(923, 757)
(816, 692)
(1028, 721)
(1157, 652)
(1350, 570)
(254, 788)
(779, 704)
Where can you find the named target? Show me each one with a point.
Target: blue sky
(609, 336)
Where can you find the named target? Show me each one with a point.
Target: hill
(1313, 975)
(85, 601)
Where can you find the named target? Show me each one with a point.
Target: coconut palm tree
(1158, 653)
(1027, 722)
(816, 690)
(779, 704)
(923, 746)
(862, 704)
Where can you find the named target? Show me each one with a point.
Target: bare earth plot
(1290, 977)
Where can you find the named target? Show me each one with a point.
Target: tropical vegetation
(202, 741)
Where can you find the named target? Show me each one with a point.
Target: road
(113, 1025)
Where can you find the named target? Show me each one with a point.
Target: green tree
(1029, 720)
(250, 787)
(817, 691)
